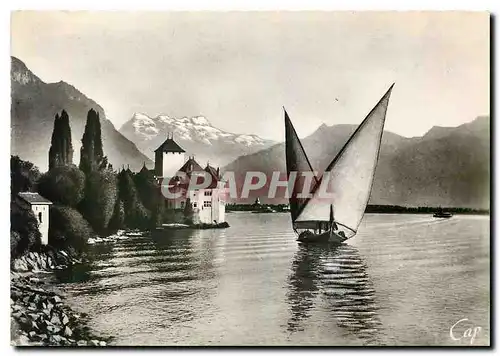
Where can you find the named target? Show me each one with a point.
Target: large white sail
(350, 175)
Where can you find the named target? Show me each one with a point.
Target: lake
(404, 280)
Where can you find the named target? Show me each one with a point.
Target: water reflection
(163, 279)
(334, 278)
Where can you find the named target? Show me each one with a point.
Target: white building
(40, 207)
(208, 204)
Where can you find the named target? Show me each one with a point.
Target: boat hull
(326, 237)
(442, 215)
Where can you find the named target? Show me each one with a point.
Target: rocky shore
(39, 314)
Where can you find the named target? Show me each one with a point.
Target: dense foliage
(63, 185)
(136, 215)
(24, 233)
(23, 176)
(101, 194)
(68, 229)
(89, 199)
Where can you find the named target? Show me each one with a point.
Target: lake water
(403, 280)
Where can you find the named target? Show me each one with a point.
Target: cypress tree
(91, 154)
(61, 147)
(66, 142)
(54, 151)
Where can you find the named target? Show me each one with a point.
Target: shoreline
(40, 315)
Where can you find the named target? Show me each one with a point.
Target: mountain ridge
(194, 134)
(34, 106)
(445, 166)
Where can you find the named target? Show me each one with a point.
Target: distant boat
(336, 217)
(442, 214)
(264, 210)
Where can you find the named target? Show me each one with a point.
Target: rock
(32, 307)
(56, 299)
(102, 343)
(81, 343)
(17, 307)
(34, 325)
(65, 319)
(23, 340)
(32, 334)
(34, 280)
(33, 316)
(43, 336)
(68, 332)
(55, 319)
(57, 338)
(94, 342)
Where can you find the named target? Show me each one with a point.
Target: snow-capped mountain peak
(195, 134)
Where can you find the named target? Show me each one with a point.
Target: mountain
(195, 135)
(34, 106)
(446, 167)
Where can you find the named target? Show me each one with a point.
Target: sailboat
(334, 204)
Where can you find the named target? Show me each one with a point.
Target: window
(195, 205)
(207, 204)
(208, 193)
(40, 217)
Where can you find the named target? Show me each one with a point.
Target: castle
(172, 169)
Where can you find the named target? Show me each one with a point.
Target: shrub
(24, 233)
(63, 185)
(68, 229)
(23, 175)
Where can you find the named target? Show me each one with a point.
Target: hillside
(34, 106)
(447, 166)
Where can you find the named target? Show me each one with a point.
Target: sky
(238, 69)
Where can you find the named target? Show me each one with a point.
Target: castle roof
(190, 167)
(170, 146)
(214, 172)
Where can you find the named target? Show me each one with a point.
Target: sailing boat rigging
(335, 206)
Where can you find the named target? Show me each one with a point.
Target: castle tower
(168, 158)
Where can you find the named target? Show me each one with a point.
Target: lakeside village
(55, 215)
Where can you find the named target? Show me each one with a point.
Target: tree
(63, 184)
(100, 198)
(118, 218)
(68, 229)
(91, 154)
(136, 215)
(23, 175)
(146, 187)
(61, 147)
(24, 233)
(188, 212)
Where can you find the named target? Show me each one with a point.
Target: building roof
(191, 166)
(33, 198)
(170, 146)
(214, 172)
